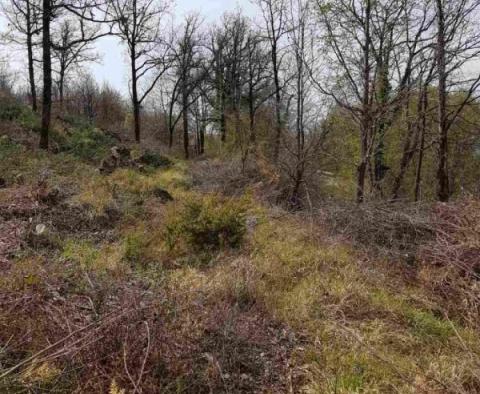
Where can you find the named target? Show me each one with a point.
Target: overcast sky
(113, 68)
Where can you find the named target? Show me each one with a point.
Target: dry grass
(295, 307)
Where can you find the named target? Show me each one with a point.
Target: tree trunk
(278, 108)
(251, 112)
(31, 70)
(136, 120)
(380, 168)
(418, 175)
(202, 139)
(135, 102)
(61, 82)
(362, 167)
(365, 122)
(410, 145)
(443, 192)
(47, 75)
(223, 122)
(185, 124)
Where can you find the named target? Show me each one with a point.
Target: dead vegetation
(126, 290)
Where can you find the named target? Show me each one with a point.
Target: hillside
(159, 275)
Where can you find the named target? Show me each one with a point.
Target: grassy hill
(150, 278)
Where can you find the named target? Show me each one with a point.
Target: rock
(115, 153)
(162, 195)
(40, 229)
(119, 157)
(107, 166)
(123, 156)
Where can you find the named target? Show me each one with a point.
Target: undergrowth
(215, 294)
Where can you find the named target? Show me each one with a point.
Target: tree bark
(185, 124)
(418, 175)
(278, 100)
(47, 75)
(31, 70)
(61, 82)
(443, 192)
(365, 122)
(411, 143)
(135, 102)
(380, 168)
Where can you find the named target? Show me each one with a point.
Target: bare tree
(188, 72)
(84, 11)
(371, 59)
(274, 15)
(71, 48)
(24, 26)
(457, 44)
(138, 23)
(258, 85)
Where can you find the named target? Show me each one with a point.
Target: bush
(10, 109)
(87, 143)
(154, 160)
(207, 224)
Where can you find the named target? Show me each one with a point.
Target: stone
(162, 195)
(40, 229)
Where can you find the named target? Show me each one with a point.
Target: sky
(113, 68)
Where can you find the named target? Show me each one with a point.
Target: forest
(283, 198)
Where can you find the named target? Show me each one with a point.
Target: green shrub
(155, 160)
(10, 109)
(87, 143)
(207, 223)
(29, 119)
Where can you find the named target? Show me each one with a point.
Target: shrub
(451, 261)
(87, 143)
(208, 223)
(155, 160)
(10, 109)
(29, 119)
